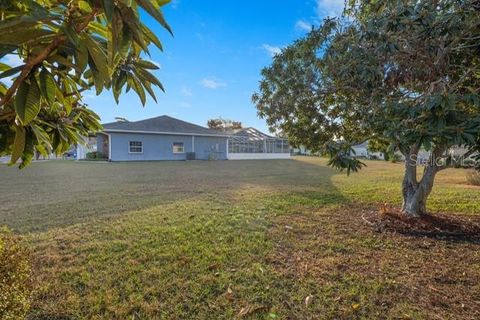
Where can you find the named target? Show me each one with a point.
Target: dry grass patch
(473, 177)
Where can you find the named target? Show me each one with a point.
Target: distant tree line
(221, 124)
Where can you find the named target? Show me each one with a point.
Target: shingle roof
(361, 145)
(162, 124)
(251, 134)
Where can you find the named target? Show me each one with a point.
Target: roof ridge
(187, 122)
(163, 123)
(176, 119)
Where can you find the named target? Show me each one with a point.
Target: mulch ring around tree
(438, 225)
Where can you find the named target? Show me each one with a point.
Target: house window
(135, 147)
(178, 147)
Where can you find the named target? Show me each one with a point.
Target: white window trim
(133, 152)
(183, 148)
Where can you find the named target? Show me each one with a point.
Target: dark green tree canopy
(68, 47)
(403, 72)
(379, 144)
(223, 124)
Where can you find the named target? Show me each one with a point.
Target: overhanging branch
(34, 61)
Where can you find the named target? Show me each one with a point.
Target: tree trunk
(415, 193)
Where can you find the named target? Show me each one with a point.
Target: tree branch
(31, 63)
(469, 153)
(450, 157)
(78, 91)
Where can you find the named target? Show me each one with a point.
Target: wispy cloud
(272, 50)
(303, 25)
(89, 95)
(212, 83)
(186, 91)
(330, 8)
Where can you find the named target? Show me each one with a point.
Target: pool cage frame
(250, 140)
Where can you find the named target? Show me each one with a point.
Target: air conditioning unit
(190, 155)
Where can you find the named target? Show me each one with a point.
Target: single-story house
(302, 151)
(5, 159)
(160, 138)
(361, 151)
(167, 138)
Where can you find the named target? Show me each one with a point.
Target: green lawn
(227, 239)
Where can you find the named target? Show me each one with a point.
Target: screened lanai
(249, 143)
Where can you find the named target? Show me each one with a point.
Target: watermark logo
(444, 161)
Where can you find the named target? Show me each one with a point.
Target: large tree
(404, 72)
(66, 48)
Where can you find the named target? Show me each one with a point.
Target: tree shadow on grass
(50, 195)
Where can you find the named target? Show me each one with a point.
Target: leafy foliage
(67, 48)
(406, 73)
(378, 144)
(95, 156)
(297, 98)
(224, 124)
(15, 282)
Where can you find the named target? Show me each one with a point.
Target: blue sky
(211, 66)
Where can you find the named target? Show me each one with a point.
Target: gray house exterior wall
(160, 146)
